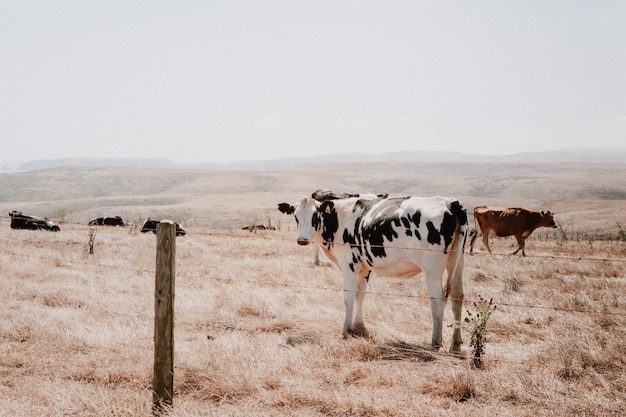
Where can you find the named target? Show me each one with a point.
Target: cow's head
(547, 218)
(307, 218)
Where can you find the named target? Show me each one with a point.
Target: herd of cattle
(390, 236)
(23, 221)
(498, 221)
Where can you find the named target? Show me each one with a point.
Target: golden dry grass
(258, 330)
(258, 327)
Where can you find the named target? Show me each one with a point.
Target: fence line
(494, 254)
(425, 297)
(276, 238)
(286, 285)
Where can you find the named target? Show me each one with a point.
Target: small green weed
(476, 326)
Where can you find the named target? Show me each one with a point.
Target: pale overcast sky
(220, 81)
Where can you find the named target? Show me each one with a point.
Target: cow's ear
(286, 208)
(327, 207)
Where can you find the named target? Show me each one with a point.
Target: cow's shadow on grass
(399, 350)
(396, 350)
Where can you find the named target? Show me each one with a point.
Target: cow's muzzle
(303, 241)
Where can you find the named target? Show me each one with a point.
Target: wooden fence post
(163, 377)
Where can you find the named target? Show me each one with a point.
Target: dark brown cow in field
(107, 221)
(151, 226)
(502, 222)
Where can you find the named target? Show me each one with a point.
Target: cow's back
(411, 223)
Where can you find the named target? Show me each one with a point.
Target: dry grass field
(258, 326)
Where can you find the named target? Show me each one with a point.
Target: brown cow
(519, 222)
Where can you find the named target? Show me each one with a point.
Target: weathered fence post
(163, 377)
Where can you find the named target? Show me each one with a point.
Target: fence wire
(270, 238)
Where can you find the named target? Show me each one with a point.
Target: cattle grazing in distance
(514, 221)
(393, 237)
(22, 221)
(151, 225)
(327, 195)
(107, 221)
(254, 227)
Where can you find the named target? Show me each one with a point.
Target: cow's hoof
(359, 331)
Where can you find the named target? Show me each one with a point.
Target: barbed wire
(489, 254)
(465, 300)
(269, 237)
(266, 236)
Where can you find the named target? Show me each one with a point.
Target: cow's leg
(486, 241)
(316, 255)
(354, 290)
(434, 288)
(520, 246)
(474, 235)
(358, 326)
(455, 292)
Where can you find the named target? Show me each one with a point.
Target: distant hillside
(558, 156)
(588, 197)
(162, 163)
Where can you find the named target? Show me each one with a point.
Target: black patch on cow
(416, 218)
(355, 261)
(286, 208)
(349, 238)
(330, 221)
(434, 238)
(316, 221)
(448, 226)
(376, 234)
(458, 211)
(384, 227)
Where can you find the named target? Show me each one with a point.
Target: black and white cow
(22, 221)
(394, 237)
(107, 221)
(151, 225)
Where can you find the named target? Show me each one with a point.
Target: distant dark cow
(151, 225)
(328, 195)
(394, 237)
(22, 221)
(502, 222)
(258, 227)
(107, 221)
